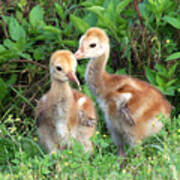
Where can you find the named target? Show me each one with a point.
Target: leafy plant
(164, 79)
(106, 16)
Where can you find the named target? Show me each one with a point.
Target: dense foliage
(145, 43)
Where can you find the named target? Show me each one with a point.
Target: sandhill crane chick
(130, 105)
(64, 113)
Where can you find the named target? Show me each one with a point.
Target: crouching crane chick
(130, 105)
(64, 113)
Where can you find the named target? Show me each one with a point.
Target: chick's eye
(59, 68)
(92, 45)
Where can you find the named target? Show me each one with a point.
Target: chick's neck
(61, 90)
(95, 70)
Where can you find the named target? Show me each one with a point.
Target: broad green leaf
(24, 55)
(9, 44)
(6, 19)
(150, 75)
(175, 22)
(41, 37)
(161, 70)
(173, 56)
(91, 19)
(36, 17)
(172, 69)
(16, 47)
(6, 55)
(68, 30)
(121, 27)
(121, 21)
(16, 31)
(71, 43)
(96, 9)
(161, 89)
(53, 30)
(59, 10)
(19, 16)
(79, 23)
(160, 81)
(171, 82)
(122, 5)
(170, 91)
(2, 48)
(104, 21)
(110, 10)
(86, 4)
(3, 89)
(143, 9)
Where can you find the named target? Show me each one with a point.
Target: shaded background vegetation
(145, 43)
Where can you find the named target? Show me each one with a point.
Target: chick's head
(92, 44)
(63, 66)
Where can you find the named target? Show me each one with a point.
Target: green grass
(23, 158)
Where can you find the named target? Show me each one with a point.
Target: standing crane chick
(64, 113)
(131, 106)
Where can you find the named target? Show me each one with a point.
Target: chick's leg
(121, 151)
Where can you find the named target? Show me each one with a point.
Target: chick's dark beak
(71, 76)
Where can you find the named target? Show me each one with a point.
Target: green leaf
(160, 81)
(121, 21)
(91, 19)
(110, 10)
(122, 5)
(173, 56)
(59, 10)
(9, 44)
(150, 75)
(171, 82)
(36, 17)
(3, 89)
(2, 48)
(175, 22)
(24, 55)
(6, 19)
(16, 31)
(143, 9)
(53, 30)
(170, 91)
(172, 69)
(86, 4)
(161, 68)
(79, 23)
(96, 9)
(71, 43)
